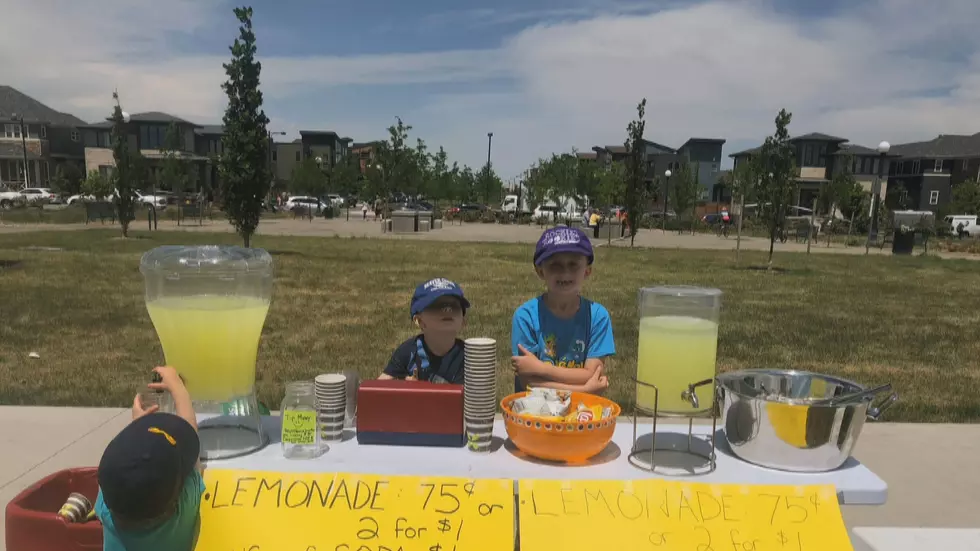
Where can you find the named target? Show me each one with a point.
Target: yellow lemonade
(674, 352)
(211, 341)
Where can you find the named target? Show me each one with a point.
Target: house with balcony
(35, 140)
(928, 172)
(199, 145)
(325, 145)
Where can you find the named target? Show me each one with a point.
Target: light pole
(666, 195)
(883, 148)
(489, 144)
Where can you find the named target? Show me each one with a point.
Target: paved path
(930, 469)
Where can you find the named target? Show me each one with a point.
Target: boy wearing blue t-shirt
(560, 339)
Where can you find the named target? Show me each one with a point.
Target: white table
(856, 485)
(916, 539)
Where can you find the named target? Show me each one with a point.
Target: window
(152, 137)
(105, 139)
(903, 197)
(714, 169)
(934, 197)
(74, 135)
(274, 156)
(299, 156)
(874, 165)
(822, 156)
(11, 131)
(966, 165)
(938, 167)
(808, 155)
(915, 167)
(44, 131)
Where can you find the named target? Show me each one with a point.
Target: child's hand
(139, 410)
(169, 380)
(598, 383)
(525, 364)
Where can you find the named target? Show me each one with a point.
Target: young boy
(435, 355)
(150, 482)
(559, 339)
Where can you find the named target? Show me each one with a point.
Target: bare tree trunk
(738, 230)
(772, 244)
(833, 212)
(850, 228)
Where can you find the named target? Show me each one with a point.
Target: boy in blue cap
(150, 481)
(435, 355)
(560, 339)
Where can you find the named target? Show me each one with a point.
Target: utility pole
(489, 145)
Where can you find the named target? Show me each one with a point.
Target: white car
(304, 202)
(8, 198)
(158, 201)
(335, 200)
(39, 195)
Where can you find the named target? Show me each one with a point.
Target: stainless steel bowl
(795, 420)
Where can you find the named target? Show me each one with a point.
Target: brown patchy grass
(343, 303)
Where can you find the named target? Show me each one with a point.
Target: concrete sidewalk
(931, 470)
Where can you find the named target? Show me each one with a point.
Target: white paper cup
(331, 379)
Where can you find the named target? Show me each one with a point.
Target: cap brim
(548, 254)
(188, 442)
(421, 305)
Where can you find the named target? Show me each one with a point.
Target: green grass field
(343, 303)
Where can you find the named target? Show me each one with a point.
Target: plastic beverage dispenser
(678, 345)
(208, 305)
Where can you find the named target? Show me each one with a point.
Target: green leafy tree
(420, 175)
(843, 193)
(97, 186)
(636, 191)
(394, 164)
(777, 185)
(965, 198)
(611, 188)
(686, 192)
(175, 173)
(466, 184)
(442, 177)
(243, 166)
(67, 179)
(345, 177)
(744, 180)
(123, 174)
(308, 179)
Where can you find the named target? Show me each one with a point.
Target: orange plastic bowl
(543, 438)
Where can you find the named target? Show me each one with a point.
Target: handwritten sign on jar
(677, 516)
(267, 511)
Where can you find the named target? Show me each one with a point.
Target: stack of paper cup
(479, 392)
(331, 403)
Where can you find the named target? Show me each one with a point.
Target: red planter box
(410, 413)
(32, 517)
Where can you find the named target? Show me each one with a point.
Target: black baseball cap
(145, 465)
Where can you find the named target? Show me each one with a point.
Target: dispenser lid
(206, 259)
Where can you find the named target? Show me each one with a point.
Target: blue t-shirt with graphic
(562, 342)
(176, 534)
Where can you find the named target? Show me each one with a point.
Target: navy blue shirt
(413, 358)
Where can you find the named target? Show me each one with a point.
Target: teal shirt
(176, 534)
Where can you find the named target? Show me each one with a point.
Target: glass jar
(300, 427)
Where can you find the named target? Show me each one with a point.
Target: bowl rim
(505, 407)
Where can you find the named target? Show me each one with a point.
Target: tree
(175, 174)
(308, 179)
(635, 189)
(744, 180)
(844, 193)
(122, 176)
(776, 187)
(67, 179)
(611, 187)
(243, 165)
(97, 186)
(345, 177)
(965, 198)
(395, 160)
(686, 191)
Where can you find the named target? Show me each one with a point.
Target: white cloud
(715, 69)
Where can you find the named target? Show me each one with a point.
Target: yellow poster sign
(660, 515)
(266, 511)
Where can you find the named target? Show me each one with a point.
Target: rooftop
(943, 146)
(14, 102)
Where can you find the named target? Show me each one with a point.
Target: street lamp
(667, 174)
(883, 148)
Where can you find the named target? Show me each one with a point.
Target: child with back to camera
(150, 482)
(560, 339)
(436, 354)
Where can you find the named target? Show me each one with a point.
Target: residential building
(865, 164)
(703, 155)
(365, 154)
(818, 156)
(36, 136)
(325, 145)
(147, 132)
(928, 172)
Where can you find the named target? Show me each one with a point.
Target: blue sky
(543, 75)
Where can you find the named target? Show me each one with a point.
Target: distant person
(364, 210)
(961, 230)
(594, 222)
(150, 482)
(436, 353)
(560, 339)
(586, 216)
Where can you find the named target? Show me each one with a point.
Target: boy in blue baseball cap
(560, 339)
(435, 355)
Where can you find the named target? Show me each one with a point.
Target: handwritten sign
(662, 515)
(299, 427)
(265, 511)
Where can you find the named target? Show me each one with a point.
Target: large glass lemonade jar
(678, 345)
(208, 305)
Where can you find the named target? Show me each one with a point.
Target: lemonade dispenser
(675, 366)
(208, 305)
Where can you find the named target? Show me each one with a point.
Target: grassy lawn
(342, 303)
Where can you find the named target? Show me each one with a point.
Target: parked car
(468, 207)
(304, 202)
(334, 199)
(35, 195)
(10, 198)
(423, 206)
(158, 201)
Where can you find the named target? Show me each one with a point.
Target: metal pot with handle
(795, 420)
